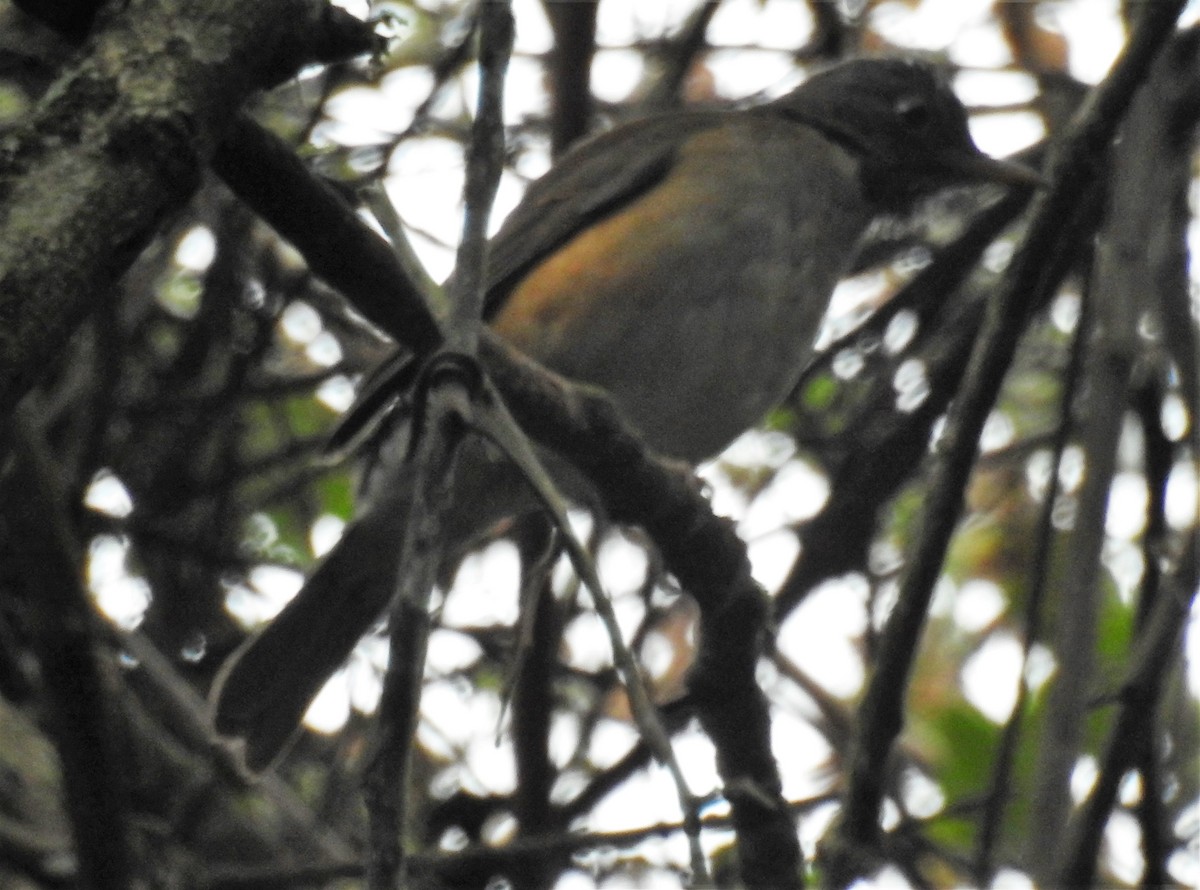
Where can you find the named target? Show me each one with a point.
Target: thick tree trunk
(118, 143)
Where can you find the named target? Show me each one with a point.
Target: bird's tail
(263, 690)
(265, 687)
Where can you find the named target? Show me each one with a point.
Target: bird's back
(681, 300)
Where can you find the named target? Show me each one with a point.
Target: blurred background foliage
(188, 419)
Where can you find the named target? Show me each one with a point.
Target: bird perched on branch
(683, 263)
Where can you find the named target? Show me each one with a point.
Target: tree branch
(1055, 221)
(117, 145)
(583, 426)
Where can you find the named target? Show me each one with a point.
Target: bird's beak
(978, 167)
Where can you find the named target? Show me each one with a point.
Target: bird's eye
(913, 112)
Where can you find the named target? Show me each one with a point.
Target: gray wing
(603, 174)
(590, 183)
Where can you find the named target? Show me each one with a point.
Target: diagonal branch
(583, 426)
(1055, 222)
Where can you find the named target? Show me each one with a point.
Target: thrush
(682, 262)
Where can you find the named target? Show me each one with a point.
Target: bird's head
(900, 117)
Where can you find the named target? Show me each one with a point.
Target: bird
(682, 262)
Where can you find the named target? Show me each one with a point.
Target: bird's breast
(695, 304)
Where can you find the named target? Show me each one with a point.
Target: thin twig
(1154, 652)
(438, 429)
(992, 815)
(1055, 223)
